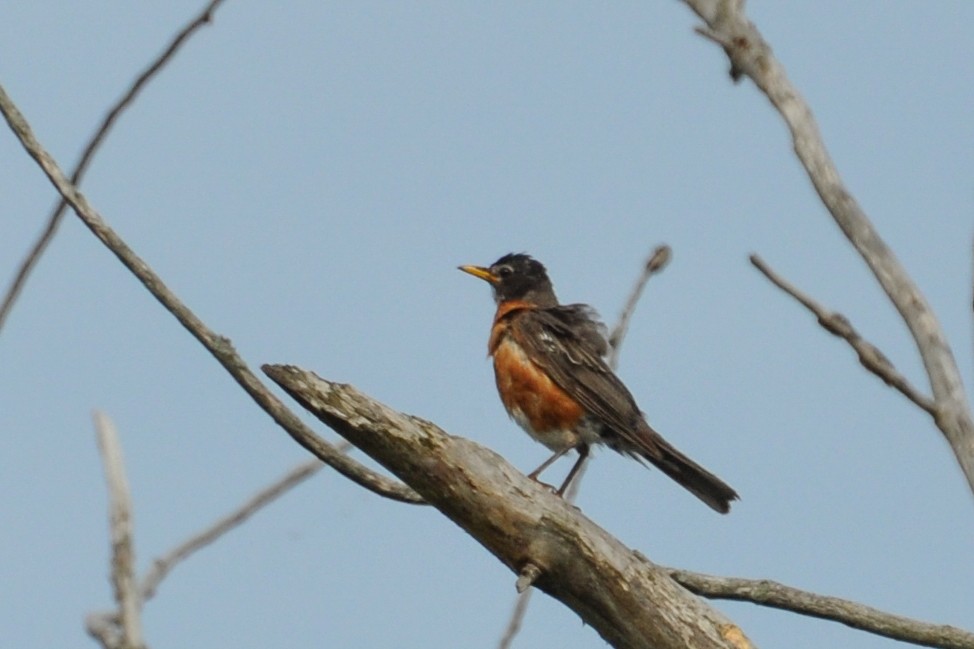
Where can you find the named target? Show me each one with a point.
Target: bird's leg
(534, 474)
(582, 454)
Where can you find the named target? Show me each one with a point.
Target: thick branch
(858, 616)
(838, 325)
(221, 348)
(750, 55)
(524, 525)
(54, 220)
(630, 601)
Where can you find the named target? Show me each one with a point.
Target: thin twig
(656, 261)
(54, 220)
(164, 564)
(838, 325)
(103, 626)
(853, 614)
(220, 347)
(517, 619)
(128, 621)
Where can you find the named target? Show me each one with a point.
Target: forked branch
(220, 347)
(751, 56)
(838, 325)
(129, 96)
(124, 629)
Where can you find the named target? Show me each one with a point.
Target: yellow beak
(481, 272)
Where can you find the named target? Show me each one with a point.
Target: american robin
(554, 382)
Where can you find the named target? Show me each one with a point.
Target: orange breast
(542, 408)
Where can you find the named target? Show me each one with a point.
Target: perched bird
(554, 382)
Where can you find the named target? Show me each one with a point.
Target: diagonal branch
(838, 325)
(54, 220)
(627, 599)
(164, 564)
(220, 347)
(751, 55)
(853, 614)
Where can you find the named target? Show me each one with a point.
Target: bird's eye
(504, 271)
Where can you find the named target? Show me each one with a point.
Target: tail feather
(694, 478)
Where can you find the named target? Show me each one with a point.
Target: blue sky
(307, 176)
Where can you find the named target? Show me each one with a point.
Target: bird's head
(517, 277)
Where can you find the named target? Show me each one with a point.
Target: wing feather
(569, 344)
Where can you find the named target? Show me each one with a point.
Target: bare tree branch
(102, 627)
(107, 627)
(54, 220)
(517, 619)
(164, 564)
(523, 524)
(655, 263)
(220, 347)
(128, 624)
(838, 325)
(750, 55)
(853, 614)
(627, 599)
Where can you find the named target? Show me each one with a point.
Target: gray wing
(569, 344)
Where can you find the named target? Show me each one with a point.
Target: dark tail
(697, 480)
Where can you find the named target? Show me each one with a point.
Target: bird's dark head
(517, 277)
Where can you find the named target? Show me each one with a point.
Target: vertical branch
(517, 615)
(129, 624)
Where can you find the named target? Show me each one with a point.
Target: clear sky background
(307, 176)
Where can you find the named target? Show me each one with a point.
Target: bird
(554, 381)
